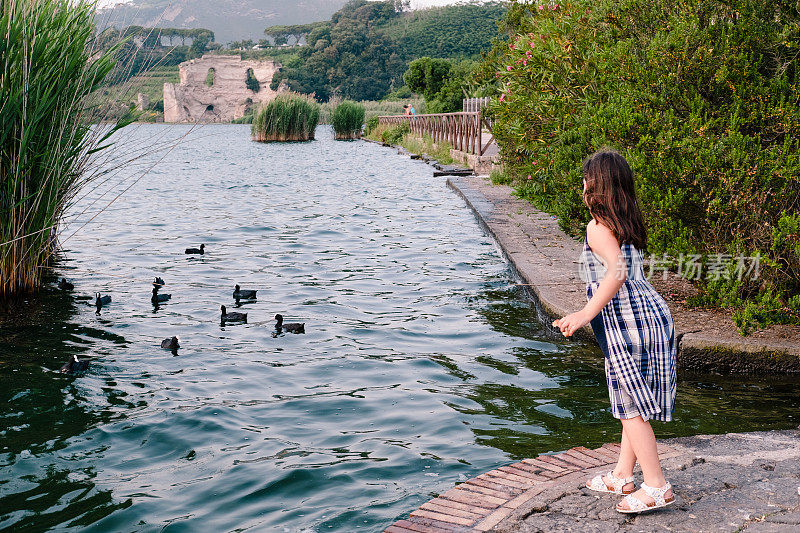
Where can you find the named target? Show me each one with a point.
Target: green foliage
(139, 49)
(444, 83)
(251, 82)
(395, 134)
(347, 120)
(425, 145)
(700, 97)
(372, 123)
(500, 178)
(288, 117)
(427, 76)
(362, 52)
(48, 70)
(456, 31)
(403, 93)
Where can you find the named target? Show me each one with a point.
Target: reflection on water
(422, 363)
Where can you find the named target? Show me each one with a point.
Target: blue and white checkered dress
(637, 335)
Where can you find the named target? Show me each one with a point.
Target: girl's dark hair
(611, 197)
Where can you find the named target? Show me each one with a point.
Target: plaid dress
(637, 336)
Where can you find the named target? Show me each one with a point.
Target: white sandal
(599, 485)
(635, 505)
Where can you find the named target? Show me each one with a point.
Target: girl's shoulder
(597, 230)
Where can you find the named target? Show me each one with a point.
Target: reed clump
(347, 120)
(49, 68)
(289, 117)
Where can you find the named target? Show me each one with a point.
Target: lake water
(423, 362)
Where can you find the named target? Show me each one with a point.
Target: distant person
(405, 110)
(633, 327)
(411, 110)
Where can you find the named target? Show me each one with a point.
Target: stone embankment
(546, 261)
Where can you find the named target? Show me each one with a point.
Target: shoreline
(545, 259)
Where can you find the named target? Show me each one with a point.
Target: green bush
(699, 95)
(288, 117)
(500, 178)
(372, 123)
(395, 134)
(347, 120)
(443, 83)
(48, 73)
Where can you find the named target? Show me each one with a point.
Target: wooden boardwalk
(482, 503)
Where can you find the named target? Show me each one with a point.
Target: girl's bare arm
(604, 245)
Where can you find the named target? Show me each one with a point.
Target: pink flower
(502, 97)
(525, 63)
(529, 177)
(508, 68)
(541, 7)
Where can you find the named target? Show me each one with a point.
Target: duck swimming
(100, 301)
(291, 327)
(74, 365)
(243, 294)
(200, 250)
(159, 298)
(65, 285)
(232, 316)
(171, 344)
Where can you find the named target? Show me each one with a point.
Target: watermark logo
(693, 267)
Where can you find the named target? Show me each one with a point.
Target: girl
(633, 327)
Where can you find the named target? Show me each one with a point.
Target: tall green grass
(347, 120)
(289, 117)
(48, 70)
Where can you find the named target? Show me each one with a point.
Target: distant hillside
(230, 20)
(362, 52)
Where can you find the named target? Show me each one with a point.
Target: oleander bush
(288, 117)
(701, 96)
(51, 128)
(347, 120)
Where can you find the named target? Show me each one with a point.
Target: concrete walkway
(722, 483)
(546, 261)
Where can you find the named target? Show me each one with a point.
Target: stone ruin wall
(227, 99)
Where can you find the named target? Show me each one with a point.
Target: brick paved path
(483, 502)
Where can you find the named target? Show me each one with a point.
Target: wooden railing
(474, 104)
(464, 131)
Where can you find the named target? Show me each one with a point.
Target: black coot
(243, 294)
(232, 316)
(200, 250)
(171, 344)
(291, 327)
(100, 301)
(159, 298)
(75, 366)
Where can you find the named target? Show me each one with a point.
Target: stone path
(545, 259)
(722, 483)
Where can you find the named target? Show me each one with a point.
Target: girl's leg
(643, 442)
(627, 459)
(625, 463)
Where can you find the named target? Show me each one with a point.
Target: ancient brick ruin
(215, 88)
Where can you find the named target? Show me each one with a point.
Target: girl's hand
(572, 323)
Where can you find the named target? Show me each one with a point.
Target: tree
(427, 76)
